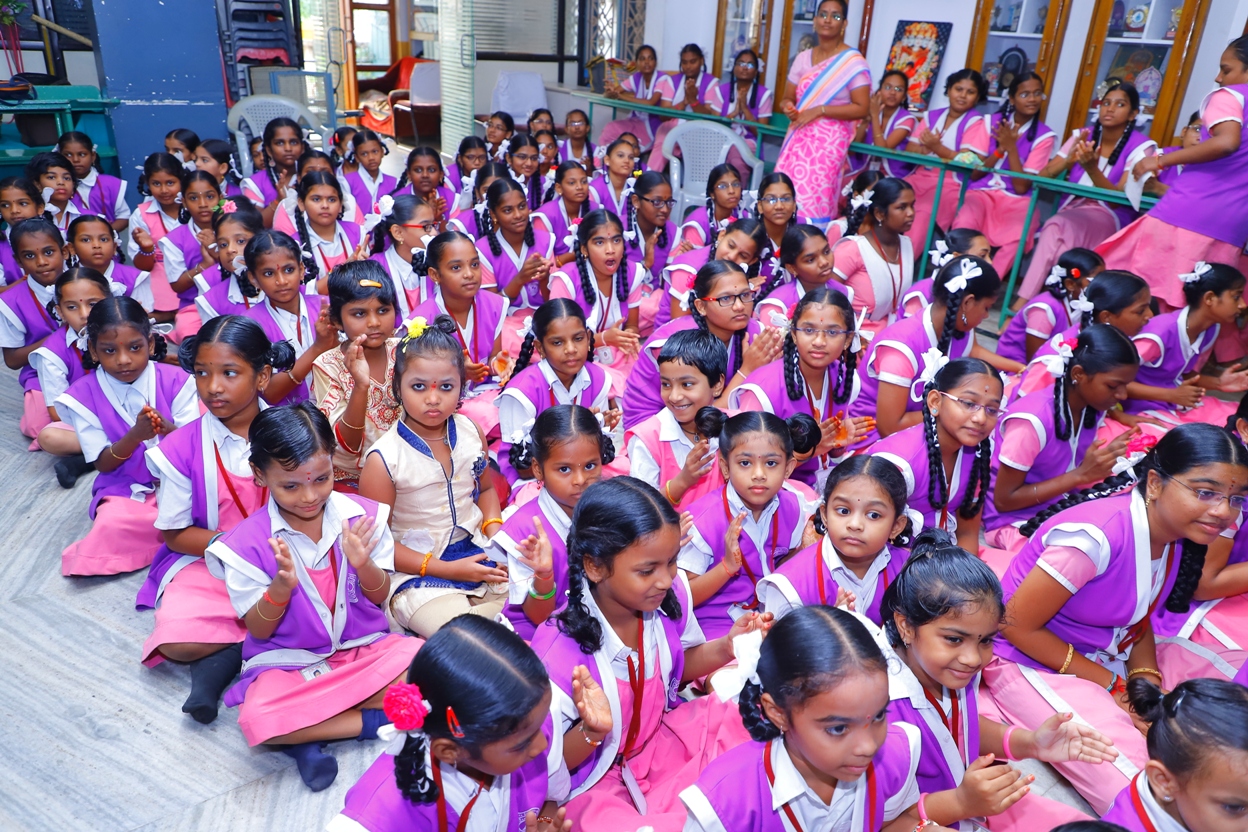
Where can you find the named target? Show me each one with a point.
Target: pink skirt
(166, 300)
(1160, 252)
(1026, 698)
(280, 702)
(511, 333)
(924, 180)
(1214, 644)
(1084, 224)
(999, 216)
(689, 738)
(122, 539)
(35, 416)
(639, 127)
(481, 409)
(194, 609)
(185, 324)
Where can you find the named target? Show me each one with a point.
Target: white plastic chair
(518, 93)
(703, 145)
(247, 119)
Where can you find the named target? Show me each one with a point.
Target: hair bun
(930, 541)
(446, 324)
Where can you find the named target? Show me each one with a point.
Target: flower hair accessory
(862, 200)
(382, 210)
(933, 361)
(406, 709)
(941, 254)
(1201, 269)
(416, 327)
(958, 282)
(1138, 447)
(228, 206)
(1056, 276)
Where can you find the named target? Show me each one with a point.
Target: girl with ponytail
(1018, 141)
(946, 459)
(741, 242)
(367, 183)
(1080, 594)
(1046, 444)
(723, 205)
(565, 451)
(619, 172)
(326, 240)
(224, 288)
(524, 159)
(876, 258)
(93, 243)
(629, 606)
(474, 220)
(955, 242)
(815, 376)
(564, 373)
(889, 124)
(1197, 750)
(806, 263)
(823, 750)
(190, 249)
(863, 529)
(476, 709)
(776, 209)
(965, 290)
(941, 616)
(745, 529)
(565, 204)
(96, 193)
(720, 302)
(1058, 308)
(1101, 156)
(216, 156)
(399, 243)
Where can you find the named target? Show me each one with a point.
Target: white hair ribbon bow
(239, 264)
(941, 254)
(384, 208)
(396, 739)
(916, 519)
(748, 200)
(526, 327)
(178, 199)
(522, 434)
(550, 176)
(628, 188)
(600, 152)
(1201, 269)
(1124, 463)
(291, 201)
(467, 183)
(570, 240)
(117, 289)
(503, 147)
(724, 223)
(777, 268)
(602, 420)
(1056, 276)
(47, 194)
(958, 282)
(933, 361)
(80, 339)
(177, 154)
(856, 344)
(778, 320)
(190, 166)
(479, 207)
(426, 239)
(1081, 306)
(862, 200)
(729, 682)
(1054, 364)
(847, 190)
(684, 303)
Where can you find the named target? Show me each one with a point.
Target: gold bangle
(343, 421)
(114, 453)
(384, 578)
(491, 521)
(265, 617)
(667, 492)
(293, 377)
(1152, 671)
(1070, 656)
(425, 564)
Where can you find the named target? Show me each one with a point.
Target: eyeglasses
(1028, 95)
(659, 203)
(814, 332)
(524, 157)
(837, 16)
(427, 227)
(974, 407)
(730, 300)
(746, 64)
(894, 88)
(1214, 498)
(575, 124)
(728, 186)
(770, 201)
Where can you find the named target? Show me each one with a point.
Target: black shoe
(210, 676)
(317, 769)
(69, 468)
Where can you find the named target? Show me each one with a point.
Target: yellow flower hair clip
(416, 327)
(372, 284)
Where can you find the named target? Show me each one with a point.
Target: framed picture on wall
(917, 51)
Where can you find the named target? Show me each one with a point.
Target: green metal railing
(1039, 183)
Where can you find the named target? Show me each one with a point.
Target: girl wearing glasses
(1080, 594)
(888, 124)
(1191, 222)
(745, 99)
(407, 228)
(1046, 444)
(961, 404)
(1018, 141)
(723, 205)
(828, 89)
(1100, 156)
(777, 210)
(741, 242)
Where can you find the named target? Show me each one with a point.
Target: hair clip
(416, 327)
(372, 284)
(452, 722)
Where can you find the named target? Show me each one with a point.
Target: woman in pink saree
(829, 88)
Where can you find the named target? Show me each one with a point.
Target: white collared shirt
(371, 184)
(128, 401)
(778, 597)
(175, 258)
(557, 523)
(245, 590)
(492, 810)
(120, 209)
(142, 291)
(53, 374)
(139, 220)
(698, 555)
(295, 329)
(642, 463)
(12, 330)
(514, 409)
(404, 278)
(174, 493)
(618, 653)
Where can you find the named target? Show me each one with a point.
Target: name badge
(312, 671)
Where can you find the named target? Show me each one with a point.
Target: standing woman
(829, 88)
(1191, 222)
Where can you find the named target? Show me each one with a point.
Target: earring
(963, 319)
(1166, 798)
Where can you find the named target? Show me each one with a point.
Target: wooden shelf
(1142, 41)
(1009, 35)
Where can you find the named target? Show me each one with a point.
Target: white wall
(670, 24)
(960, 13)
(487, 75)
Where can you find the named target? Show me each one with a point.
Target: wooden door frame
(764, 37)
(1174, 85)
(1055, 23)
(786, 28)
(348, 11)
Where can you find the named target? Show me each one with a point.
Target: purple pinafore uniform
(553, 216)
(262, 183)
(677, 279)
(516, 529)
(808, 576)
(1179, 356)
(1056, 457)
(712, 516)
(8, 262)
(126, 276)
(1013, 343)
(1198, 200)
(507, 264)
(365, 198)
(726, 97)
(1126, 814)
(1124, 214)
(635, 252)
(447, 193)
(102, 200)
(607, 197)
(919, 293)
(465, 221)
(913, 337)
(184, 238)
(586, 158)
(531, 387)
(858, 162)
(736, 788)
(996, 181)
(908, 450)
(22, 302)
(217, 300)
(768, 387)
(642, 397)
(60, 348)
(261, 314)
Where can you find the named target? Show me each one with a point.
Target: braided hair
(533, 186)
(1218, 278)
(250, 220)
(986, 284)
(843, 380)
(1183, 449)
(595, 220)
(1078, 263)
(611, 516)
(486, 175)
(1099, 349)
(362, 137)
(808, 652)
(642, 188)
(184, 213)
(270, 134)
(422, 152)
(554, 426)
(1133, 96)
(948, 378)
(307, 182)
(719, 172)
(732, 82)
(884, 193)
(751, 228)
(1111, 291)
(486, 677)
(791, 247)
(493, 198)
(223, 153)
(1007, 105)
(774, 178)
(703, 284)
(76, 273)
(555, 309)
(401, 213)
(561, 172)
(798, 434)
(267, 241)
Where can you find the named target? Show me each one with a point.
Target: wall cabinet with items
(741, 24)
(797, 33)
(1011, 37)
(424, 32)
(1149, 43)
